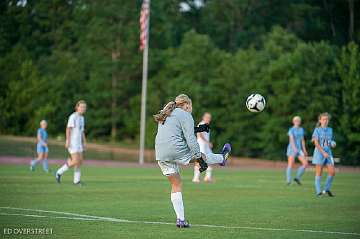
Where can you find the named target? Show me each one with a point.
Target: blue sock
(329, 180)
(300, 172)
(288, 174)
(45, 165)
(318, 184)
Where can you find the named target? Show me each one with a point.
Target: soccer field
(134, 203)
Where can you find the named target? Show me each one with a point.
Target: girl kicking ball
(41, 148)
(296, 148)
(75, 142)
(323, 140)
(176, 144)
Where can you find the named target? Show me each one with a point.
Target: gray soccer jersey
(175, 139)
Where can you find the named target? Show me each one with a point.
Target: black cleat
(329, 194)
(319, 195)
(203, 165)
(80, 184)
(58, 178)
(182, 224)
(297, 181)
(226, 153)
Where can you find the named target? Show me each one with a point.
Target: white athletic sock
(63, 169)
(77, 174)
(196, 177)
(209, 172)
(34, 162)
(214, 158)
(176, 199)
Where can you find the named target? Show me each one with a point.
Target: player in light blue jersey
(323, 140)
(296, 148)
(41, 148)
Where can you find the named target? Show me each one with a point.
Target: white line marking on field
(84, 217)
(43, 216)
(65, 213)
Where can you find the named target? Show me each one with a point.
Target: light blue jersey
(298, 134)
(325, 137)
(44, 138)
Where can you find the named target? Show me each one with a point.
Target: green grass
(238, 198)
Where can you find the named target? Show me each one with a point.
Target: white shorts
(168, 168)
(76, 149)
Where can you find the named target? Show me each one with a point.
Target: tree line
(303, 56)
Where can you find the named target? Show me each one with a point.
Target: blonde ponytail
(180, 101)
(165, 112)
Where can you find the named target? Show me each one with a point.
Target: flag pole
(143, 91)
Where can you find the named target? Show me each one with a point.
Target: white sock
(208, 172)
(63, 169)
(214, 158)
(77, 174)
(196, 173)
(34, 162)
(176, 199)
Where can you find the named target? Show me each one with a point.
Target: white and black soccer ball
(255, 103)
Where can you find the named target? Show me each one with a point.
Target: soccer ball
(255, 103)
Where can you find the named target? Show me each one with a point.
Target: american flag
(144, 21)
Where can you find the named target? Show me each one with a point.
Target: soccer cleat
(203, 165)
(297, 181)
(319, 195)
(226, 153)
(288, 183)
(80, 184)
(58, 178)
(182, 223)
(329, 194)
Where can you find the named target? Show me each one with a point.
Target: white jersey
(204, 147)
(77, 124)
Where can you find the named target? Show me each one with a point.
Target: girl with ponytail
(176, 144)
